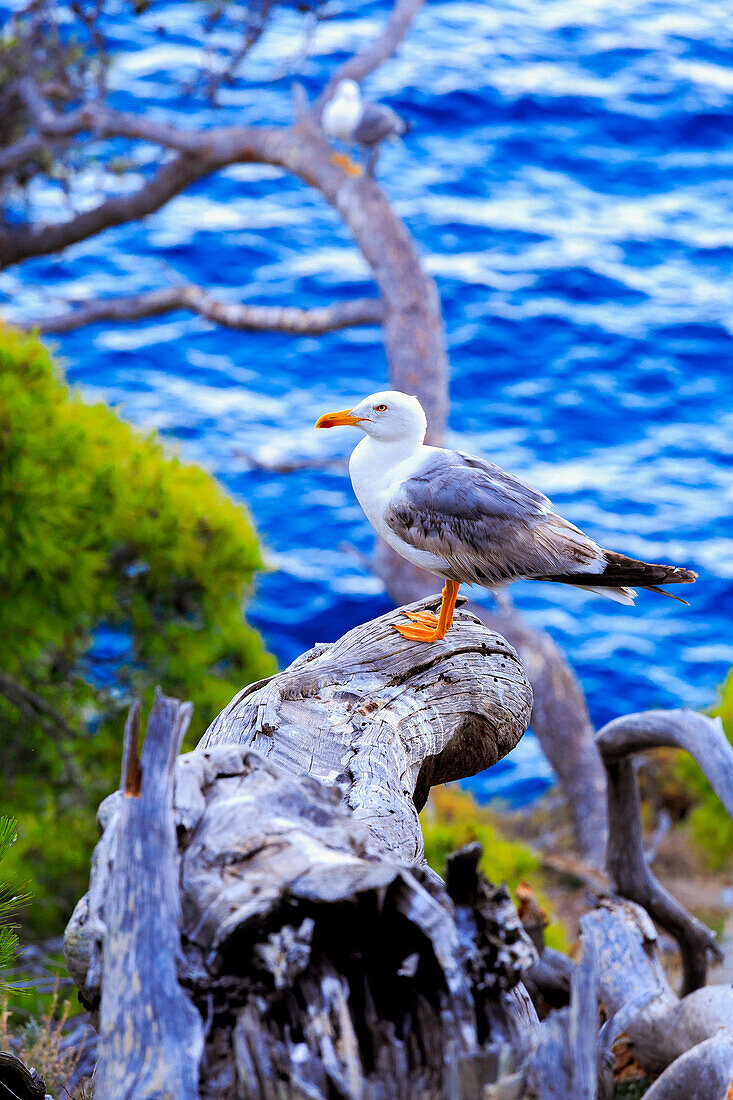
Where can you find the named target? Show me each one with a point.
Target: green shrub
(10, 901)
(98, 528)
(710, 825)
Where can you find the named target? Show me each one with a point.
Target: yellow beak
(337, 419)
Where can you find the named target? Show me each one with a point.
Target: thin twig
(372, 56)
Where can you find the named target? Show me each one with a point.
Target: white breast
(377, 471)
(341, 117)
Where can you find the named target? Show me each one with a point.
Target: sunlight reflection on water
(567, 181)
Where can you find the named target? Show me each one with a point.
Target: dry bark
(398, 718)
(319, 955)
(561, 1060)
(248, 318)
(659, 1028)
(627, 865)
(323, 955)
(151, 1036)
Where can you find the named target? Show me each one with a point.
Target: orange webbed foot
(424, 618)
(347, 164)
(426, 627)
(418, 632)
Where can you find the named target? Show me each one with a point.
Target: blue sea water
(568, 182)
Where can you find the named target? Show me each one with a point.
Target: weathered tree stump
(261, 921)
(323, 955)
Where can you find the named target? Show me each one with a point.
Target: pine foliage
(120, 569)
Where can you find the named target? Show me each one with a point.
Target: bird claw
(425, 618)
(347, 164)
(418, 632)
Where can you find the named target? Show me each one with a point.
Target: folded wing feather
(486, 524)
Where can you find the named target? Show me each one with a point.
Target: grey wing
(486, 524)
(377, 122)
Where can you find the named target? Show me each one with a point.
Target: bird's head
(389, 416)
(348, 91)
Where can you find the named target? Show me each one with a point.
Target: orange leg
(348, 165)
(428, 627)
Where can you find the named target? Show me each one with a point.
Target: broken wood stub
(151, 1035)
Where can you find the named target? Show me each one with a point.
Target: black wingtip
(663, 592)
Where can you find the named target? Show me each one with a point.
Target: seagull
(468, 521)
(348, 118)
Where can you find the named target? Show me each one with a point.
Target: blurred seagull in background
(348, 118)
(468, 521)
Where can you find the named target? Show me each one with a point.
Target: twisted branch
(706, 742)
(248, 318)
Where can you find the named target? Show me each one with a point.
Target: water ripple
(568, 183)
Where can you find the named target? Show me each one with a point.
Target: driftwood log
(385, 721)
(560, 718)
(323, 955)
(261, 921)
(661, 1030)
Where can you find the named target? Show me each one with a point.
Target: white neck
(386, 453)
(376, 467)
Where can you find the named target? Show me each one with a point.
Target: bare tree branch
(22, 241)
(31, 705)
(248, 318)
(103, 122)
(373, 55)
(98, 121)
(21, 151)
(706, 742)
(413, 327)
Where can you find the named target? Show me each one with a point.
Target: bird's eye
(380, 408)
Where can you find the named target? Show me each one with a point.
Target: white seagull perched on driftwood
(470, 522)
(348, 118)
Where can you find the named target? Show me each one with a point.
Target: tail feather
(618, 595)
(670, 595)
(620, 572)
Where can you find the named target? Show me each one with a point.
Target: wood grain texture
(151, 1035)
(385, 719)
(703, 1073)
(324, 955)
(276, 874)
(559, 1060)
(643, 1010)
